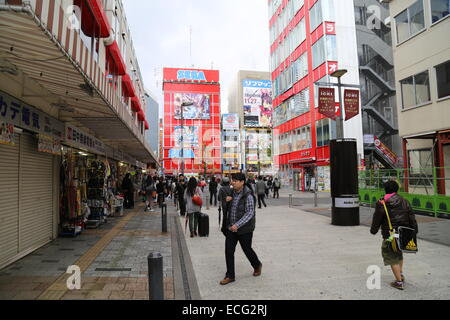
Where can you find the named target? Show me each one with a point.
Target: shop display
(97, 193)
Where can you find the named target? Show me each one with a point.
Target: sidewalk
(112, 258)
(305, 257)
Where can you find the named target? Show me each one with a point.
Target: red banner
(327, 105)
(386, 151)
(351, 103)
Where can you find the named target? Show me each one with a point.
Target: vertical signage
(351, 103)
(327, 105)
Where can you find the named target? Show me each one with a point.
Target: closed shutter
(9, 201)
(36, 195)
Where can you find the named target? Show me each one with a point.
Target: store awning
(306, 160)
(135, 104)
(94, 22)
(115, 60)
(146, 125)
(141, 115)
(127, 87)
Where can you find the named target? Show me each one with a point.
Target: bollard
(290, 200)
(155, 276)
(164, 217)
(315, 198)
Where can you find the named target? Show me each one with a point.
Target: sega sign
(191, 75)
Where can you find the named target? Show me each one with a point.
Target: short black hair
(391, 186)
(238, 176)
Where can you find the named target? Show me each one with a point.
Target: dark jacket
(240, 212)
(127, 185)
(400, 214)
(224, 192)
(213, 187)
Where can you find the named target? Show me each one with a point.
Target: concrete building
(422, 73)
(376, 65)
(250, 96)
(231, 143)
(152, 114)
(71, 100)
(310, 40)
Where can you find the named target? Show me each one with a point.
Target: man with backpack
(239, 225)
(400, 214)
(276, 188)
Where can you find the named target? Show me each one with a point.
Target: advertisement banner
(327, 105)
(388, 153)
(351, 103)
(22, 115)
(6, 133)
(186, 137)
(230, 121)
(176, 154)
(230, 144)
(198, 108)
(79, 139)
(258, 107)
(48, 144)
(231, 155)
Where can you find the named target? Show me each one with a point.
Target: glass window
(324, 49)
(410, 21)
(407, 86)
(443, 79)
(439, 9)
(415, 90)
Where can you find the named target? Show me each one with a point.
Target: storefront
(29, 175)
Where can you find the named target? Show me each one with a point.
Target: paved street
(303, 255)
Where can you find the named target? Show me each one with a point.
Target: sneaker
(152, 210)
(226, 281)
(403, 278)
(257, 272)
(397, 285)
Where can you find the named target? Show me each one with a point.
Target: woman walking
(192, 209)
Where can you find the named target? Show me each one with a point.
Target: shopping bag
(407, 240)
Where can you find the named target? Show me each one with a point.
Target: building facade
(192, 133)
(382, 144)
(231, 143)
(250, 97)
(71, 100)
(310, 40)
(422, 73)
(152, 135)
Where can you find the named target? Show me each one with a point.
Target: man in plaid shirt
(238, 226)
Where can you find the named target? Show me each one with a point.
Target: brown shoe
(257, 272)
(226, 281)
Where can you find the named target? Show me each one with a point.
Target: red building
(191, 121)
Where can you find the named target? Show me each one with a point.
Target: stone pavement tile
(135, 286)
(42, 286)
(75, 295)
(44, 279)
(121, 295)
(127, 280)
(89, 279)
(114, 287)
(7, 295)
(93, 286)
(141, 295)
(98, 295)
(107, 279)
(28, 295)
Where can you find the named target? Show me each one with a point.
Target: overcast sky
(227, 35)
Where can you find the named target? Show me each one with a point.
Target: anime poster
(198, 107)
(6, 133)
(186, 136)
(258, 106)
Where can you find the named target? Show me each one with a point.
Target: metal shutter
(36, 195)
(9, 201)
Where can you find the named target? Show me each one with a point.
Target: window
(439, 9)
(322, 11)
(410, 21)
(415, 90)
(443, 79)
(324, 50)
(325, 131)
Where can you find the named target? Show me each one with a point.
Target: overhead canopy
(135, 104)
(141, 116)
(127, 87)
(146, 125)
(114, 57)
(94, 22)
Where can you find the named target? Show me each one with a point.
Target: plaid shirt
(249, 212)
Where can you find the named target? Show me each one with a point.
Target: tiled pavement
(122, 244)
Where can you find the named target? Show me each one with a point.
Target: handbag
(404, 239)
(197, 200)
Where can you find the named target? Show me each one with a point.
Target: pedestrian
(128, 190)
(266, 182)
(149, 190)
(193, 210)
(181, 187)
(239, 225)
(269, 186)
(261, 192)
(161, 191)
(401, 214)
(276, 188)
(224, 192)
(213, 191)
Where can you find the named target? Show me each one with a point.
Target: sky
(227, 35)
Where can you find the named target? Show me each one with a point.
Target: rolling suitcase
(203, 225)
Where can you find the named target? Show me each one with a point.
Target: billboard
(230, 121)
(186, 136)
(258, 106)
(199, 108)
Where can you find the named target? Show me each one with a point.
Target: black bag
(407, 240)
(203, 225)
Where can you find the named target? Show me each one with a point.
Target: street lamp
(183, 104)
(340, 119)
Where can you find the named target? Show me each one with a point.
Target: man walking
(276, 188)
(213, 191)
(238, 226)
(180, 188)
(261, 191)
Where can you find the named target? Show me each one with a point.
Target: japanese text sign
(327, 103)
(351, 103)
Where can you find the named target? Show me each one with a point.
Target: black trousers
(213, 194)
(245, 240)
(261, 198)
(275, 192)
(182, 205)
(129, 200)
